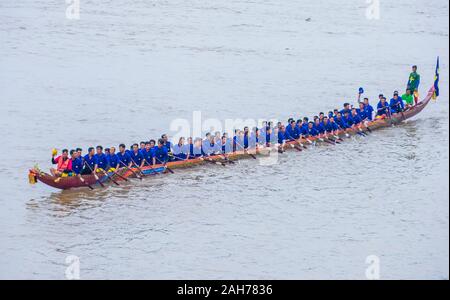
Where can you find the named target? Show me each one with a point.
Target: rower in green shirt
(413, 83)
(408, 98)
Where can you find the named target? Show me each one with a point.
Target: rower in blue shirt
(396, 103)
(361, 111)
(123, 157)
(180, 150)
(137, 159)
(113, 160)
(246, 137)
(383, 108)
(348, 119)
(292, 132)
(101, 161)
(311, 130)
(332, 126)
(355, 117)
(318, 125)
(89, 162)
(346, 109)
(77, 162)
(147, 154)
(368, 109)
(340, 121)
(161, 153)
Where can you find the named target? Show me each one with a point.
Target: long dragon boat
(122, 174)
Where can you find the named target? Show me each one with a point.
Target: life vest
(62, 164)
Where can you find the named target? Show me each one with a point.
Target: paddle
(165, 165)
(137, 167)
(135, 174)
(120, 176)
(108, 177)
(95, 175)
(83, 181)
(245, 150)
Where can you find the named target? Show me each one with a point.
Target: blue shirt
(382, 109)
(113, 161)
(331, 126)
(369, 111)
(101, 161)
(90, 161)
(137, 158)
(77, 165)
(356, 119)
(292, 133)
(281, 136)
(313, 132)
(320, 127)
(397, 105)
(147, 156)
(362, 114)
(341, 123)
(180, 152)
(161, 155)
(123, 158)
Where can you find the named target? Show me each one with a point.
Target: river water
(126, 69)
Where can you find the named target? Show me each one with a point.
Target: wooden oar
(95, 175)
(224, 157)
(135, 174)
(108, 177)
(120, 176)
(137, 167)
(165, 165)
(83, 181)
(245, 150)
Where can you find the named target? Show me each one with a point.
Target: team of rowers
(100, 160)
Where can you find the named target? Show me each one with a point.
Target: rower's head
(383, 99)
(122, 148)
(80, 151)
(161, 143)
(198, 142)
(135, 148)
(293, 123)
(330, 114)
(408, 91)
(321, 115)
(165, 138)
(189, 140)
(73, 154)
(181, 141)
(65, 153)
(224, 139)
(107, 150)
(305, 120)
(346, 105)
(142, 145)
(246, 130)
(361, 105)
(310, 125)
(336, 111)
(112, 150)
(317, 121)
(325, 120)
(283, 128)
(366, 101)
(99, 149)
(148, 146)
(152, 143)
(395, 95)
(208, 136)
(380, 96)
(331, 119)
(354, 112)
(339, 115)
(414, 68)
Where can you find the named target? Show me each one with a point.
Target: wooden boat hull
(75, 182)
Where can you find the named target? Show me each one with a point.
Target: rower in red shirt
(63, 164)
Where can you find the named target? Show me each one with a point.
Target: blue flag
(436, 81)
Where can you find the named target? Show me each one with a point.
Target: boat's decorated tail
(436, 81)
